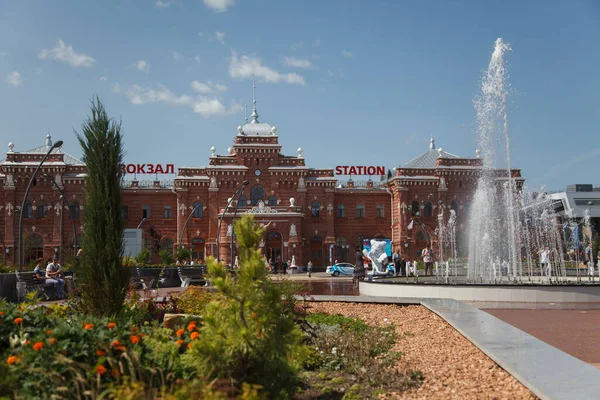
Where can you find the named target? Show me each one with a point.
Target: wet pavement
(574, 331)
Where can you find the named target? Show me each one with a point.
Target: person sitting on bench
(53, 276)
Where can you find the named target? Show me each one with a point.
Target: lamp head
(57, 144)
(245, 183)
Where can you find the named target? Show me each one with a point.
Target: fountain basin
(585, 292)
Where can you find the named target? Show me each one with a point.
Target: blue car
(340, 269)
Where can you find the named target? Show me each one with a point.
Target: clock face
(257, 172)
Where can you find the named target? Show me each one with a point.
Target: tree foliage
(249, 336)
(103, 280)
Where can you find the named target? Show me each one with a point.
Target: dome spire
(431, 144)
(246, 112)
(254, 113)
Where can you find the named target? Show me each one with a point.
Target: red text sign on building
(148, 168)
(359, 170)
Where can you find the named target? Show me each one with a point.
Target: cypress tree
(100, 274)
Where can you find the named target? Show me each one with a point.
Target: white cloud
(203, 105)
(103, 78)
(208, 87)
(142, 66)
(14, 79)
(347, 54)
(197, 59)
(65, 53)
(297, 62)
(245, 67)
(164, 3)
(220, 37)
(177, 56)
(219, 5)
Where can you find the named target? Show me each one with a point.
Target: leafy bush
(166, 257)
(143, 257)
(128, 262)
(183, 254)
(194, 300)
(249, 335)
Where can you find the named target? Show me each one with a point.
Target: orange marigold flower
(12, 360)
(191, 327)
(133, 329)
(194, 335)
(1, 313)
(18, 320)
(52, 340)
(121, 348)
(88, 327)
(111, 325)
(49, 332)
(116, 343)
(189, 346)
(134, 339)
(38, 346)
(180, 342)
(100, 353)
(100, 370)
(180, 332)
(27, 342)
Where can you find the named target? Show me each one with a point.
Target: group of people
(50, 275)
(187, 263)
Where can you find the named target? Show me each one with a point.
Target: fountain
(516, 243)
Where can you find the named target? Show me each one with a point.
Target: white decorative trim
(261, 209)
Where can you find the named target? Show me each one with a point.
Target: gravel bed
(453, 368)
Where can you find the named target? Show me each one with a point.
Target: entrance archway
(197, 248)
(316, 251)
(274, 246)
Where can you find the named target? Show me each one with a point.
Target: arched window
(315, 208)
(454, 206)
(197, 210)
(167, 244)
(256, 193)
(380, 213)
(74, 209)
(242, 202)
(28, 211)
(34, 247)
(42, 210)
(341, 211)
(341, 249)
(415, 208)
(428, 210)
(272, 201)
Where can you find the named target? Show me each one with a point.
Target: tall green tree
(99, 272)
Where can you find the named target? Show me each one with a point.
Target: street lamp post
(54, 146)
(229, 201)
(185, 224)
(237, 203)
(71, 216)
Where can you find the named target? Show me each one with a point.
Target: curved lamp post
(237, 203)
(185, 224)
(229, 201)
(64, 200)
(54, 146)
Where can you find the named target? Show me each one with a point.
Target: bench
(189, 276)
(27, 283)
(145, 282)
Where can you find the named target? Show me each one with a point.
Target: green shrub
(194, 300)
(128, 262)
(183, 254)
(166, 257)
(143, 257)
(249, 335)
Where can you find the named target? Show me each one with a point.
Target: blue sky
(351, 82)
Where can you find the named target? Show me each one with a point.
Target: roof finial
(246, 112)
(431, 144)
(254, 113)
(48, 139)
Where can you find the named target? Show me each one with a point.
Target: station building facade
(308, 213)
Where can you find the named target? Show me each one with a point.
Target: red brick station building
(308, 213)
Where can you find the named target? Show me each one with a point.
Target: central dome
(257, 128)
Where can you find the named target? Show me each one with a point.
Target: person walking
(427, 255)
(309, 269)
(396, 261)
(359, 267)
